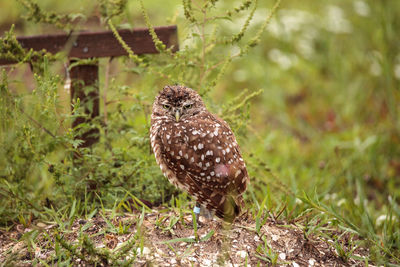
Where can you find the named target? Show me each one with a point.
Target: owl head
(176, 103)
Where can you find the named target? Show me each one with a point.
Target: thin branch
(6, 193)
(106, 82)
(219, 63)
(37, 123)
(203, 38)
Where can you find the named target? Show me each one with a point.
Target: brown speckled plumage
(197, 151)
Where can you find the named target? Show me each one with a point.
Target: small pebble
(18, 247)
(192, 259)
(241, 253)
(144, 251)
(41, 225)
(207, 262)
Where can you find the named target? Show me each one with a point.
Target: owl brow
(165, 102)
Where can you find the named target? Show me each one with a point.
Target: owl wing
(205, 157)
(226, 206)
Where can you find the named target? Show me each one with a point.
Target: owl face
(177, 103)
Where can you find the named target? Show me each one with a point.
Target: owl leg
(196, 211)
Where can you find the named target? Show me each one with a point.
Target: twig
(21, 199)
(106, 82)
(37, 123)
(203, 38)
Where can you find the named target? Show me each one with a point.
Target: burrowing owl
(197, 151)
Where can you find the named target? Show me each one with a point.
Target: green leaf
(207, 236)
(182, 239)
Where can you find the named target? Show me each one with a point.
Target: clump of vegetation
(40, 166)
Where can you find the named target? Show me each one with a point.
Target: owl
(197, 151)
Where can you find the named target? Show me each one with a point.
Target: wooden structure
(93, 45)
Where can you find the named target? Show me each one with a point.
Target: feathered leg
(196, 211)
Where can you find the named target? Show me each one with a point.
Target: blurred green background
(327, 120)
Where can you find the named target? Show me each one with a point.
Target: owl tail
(230, 208)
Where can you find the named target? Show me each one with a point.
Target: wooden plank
(85, 86)
(100, 44)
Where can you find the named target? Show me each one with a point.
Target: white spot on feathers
(237, 173)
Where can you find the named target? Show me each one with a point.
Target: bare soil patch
(160, 245)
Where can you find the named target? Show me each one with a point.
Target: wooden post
(85, 86)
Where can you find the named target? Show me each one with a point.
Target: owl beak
(177, 115)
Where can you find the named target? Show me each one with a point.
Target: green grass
(320, 133)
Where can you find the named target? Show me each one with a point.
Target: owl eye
(166, 106)
(187, 106)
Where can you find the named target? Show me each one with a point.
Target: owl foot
(196, 211)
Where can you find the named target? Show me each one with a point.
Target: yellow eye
(166, 106)
(187, 106)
